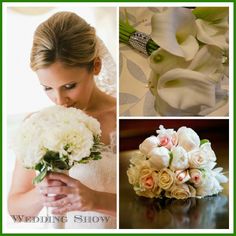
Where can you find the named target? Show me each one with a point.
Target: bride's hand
(47, 183)
(77, 197)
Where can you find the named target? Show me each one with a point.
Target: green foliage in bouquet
(52, 162)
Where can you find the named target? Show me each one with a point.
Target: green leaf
(51, 156)
(39, 166)
(83, 161)
(60, 164)
(211, 13)
(40, 177)
(171, 158)
(204, 141)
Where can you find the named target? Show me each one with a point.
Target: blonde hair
(64, 37)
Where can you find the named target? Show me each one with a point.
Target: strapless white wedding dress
(99, 175)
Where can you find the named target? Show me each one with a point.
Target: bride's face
(70, 87)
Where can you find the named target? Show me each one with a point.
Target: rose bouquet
(57, 138)
(189, 57)
(175, 165)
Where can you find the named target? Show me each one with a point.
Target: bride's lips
(72, 105)
(69, 105)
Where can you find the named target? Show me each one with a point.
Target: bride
(66, 55)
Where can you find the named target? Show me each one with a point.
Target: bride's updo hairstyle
(67, 38)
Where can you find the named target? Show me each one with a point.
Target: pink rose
(182, 176)
(195, 176)
(147, 182)
(166, 137)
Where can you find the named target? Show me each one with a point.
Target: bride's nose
(60, 99)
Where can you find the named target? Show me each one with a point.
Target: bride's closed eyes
(66, 87)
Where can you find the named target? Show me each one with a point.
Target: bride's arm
(105, 203)
(24, 198)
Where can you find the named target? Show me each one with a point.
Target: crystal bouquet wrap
(56, 139)
(175, 164)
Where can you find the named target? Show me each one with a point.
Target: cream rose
(166, 178)
(134, 171)
(137, 158)
(200, 159)
(148, 184)
(188, 138)
(181, 191)
(159, 157)
(133, 175)
(180, 159)
(148, 144)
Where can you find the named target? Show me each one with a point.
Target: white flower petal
(189, 47)
(211, 165)
(184, 89)
(162, 61)
(188, 139)
(207, 60)
(159, 157)
(221, 178)
(212, 34)
(218, 169)
(148, 144)
(152, 82)
(170, 28)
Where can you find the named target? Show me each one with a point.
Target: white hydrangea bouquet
(57, 138)
(175, 165)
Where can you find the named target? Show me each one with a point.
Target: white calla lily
(174, 30)
(186, 89)
(162, 61)
(212, 34)
(208, 61)
(212, 26)
(152, 83)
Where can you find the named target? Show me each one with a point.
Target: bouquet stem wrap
(58, 220)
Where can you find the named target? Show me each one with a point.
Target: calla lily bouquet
(188, 57)
(175, 165)
(57, 138)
